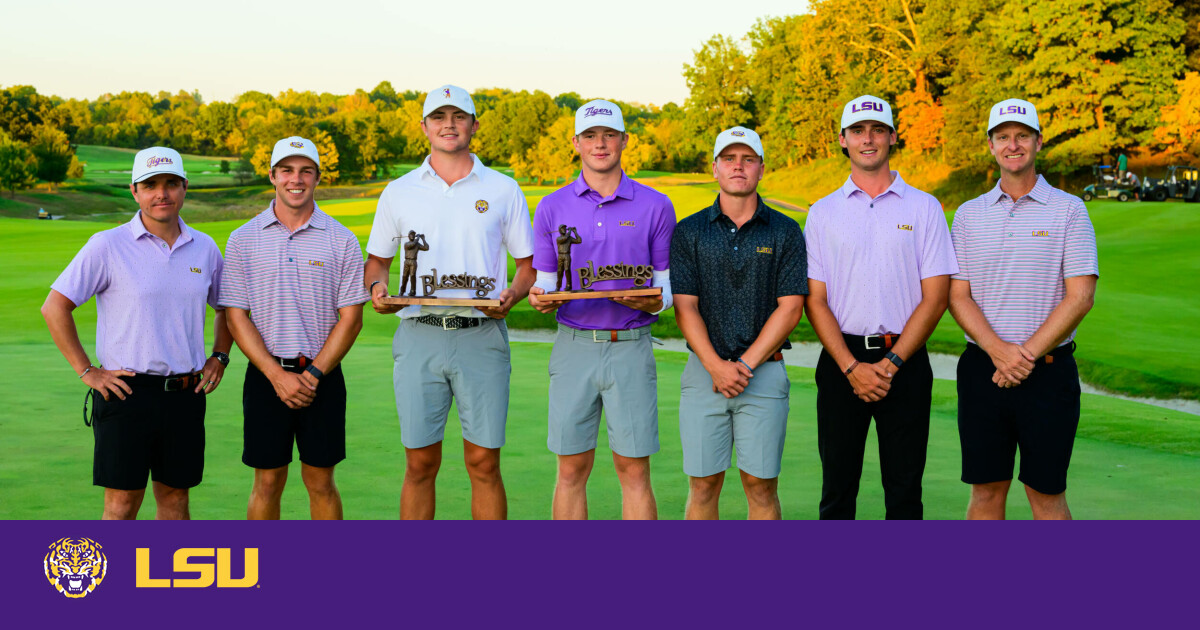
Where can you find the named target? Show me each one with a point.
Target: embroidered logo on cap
(155, 161)
(481, 206)
(298, 145)
(737, 133)
(446, 92)
(596, 111)
(75, 566)
(866, 106)
(1012, 109)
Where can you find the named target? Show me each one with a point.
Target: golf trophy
(589, 274)
(431, 282)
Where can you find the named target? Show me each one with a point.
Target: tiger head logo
(481, 206)
(75, 566)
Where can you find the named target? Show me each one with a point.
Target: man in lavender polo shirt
(151, 279)
(1028, 271)
(602, 358)
(294, 294)
(879, 261)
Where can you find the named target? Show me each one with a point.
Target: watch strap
(896, 361)
(312, 369)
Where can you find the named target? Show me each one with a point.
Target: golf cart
(1181, 182)
(1106, 185)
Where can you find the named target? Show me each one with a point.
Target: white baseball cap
(1013, 110)
(598, 113)
(155, 161)
(738, 135)
(867, 107)
(448, 95)
(295, 145)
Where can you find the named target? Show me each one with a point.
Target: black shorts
(1039, 416)
(270, 427)
(153, 432)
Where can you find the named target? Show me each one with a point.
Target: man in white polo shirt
(294, 296)
(1028, 271)
(472, 218)
(879, 265)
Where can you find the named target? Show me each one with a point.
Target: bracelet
(315, 371)
(89, 369)
(739, 360)
(851, 368)
(896, 361)
(371, 288)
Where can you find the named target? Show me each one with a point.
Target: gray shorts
(618, 376)
(755, 421)
(433, 366)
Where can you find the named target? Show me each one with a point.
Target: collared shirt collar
(317, 220)
(425, 170)
(898, 186)
(624, 188)
(760, 212)
(139, 229)
(1040, 192)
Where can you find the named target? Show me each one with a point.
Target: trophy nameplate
(431, 282)
(590, 274)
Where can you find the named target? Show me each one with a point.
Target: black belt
(871, 342)
(453, 322)
(294, 363)
(176, 383)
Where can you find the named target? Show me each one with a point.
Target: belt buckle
(867, 342)
(167, 384)
(596, 339)
(445, 326)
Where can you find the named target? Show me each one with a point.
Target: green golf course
(1131, 460)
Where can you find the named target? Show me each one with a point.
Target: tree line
(1108, 76)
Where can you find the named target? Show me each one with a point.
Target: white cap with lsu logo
(1013, 110)
(598, 113)
(867, 107)
(448, 95)
(156, 161)
(295, 145)
(738, 135)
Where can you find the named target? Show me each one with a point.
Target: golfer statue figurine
(416, 243)
(568, 236)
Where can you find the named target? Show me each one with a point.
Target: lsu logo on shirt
(75, 566)
(907, 228)
(764, 250)
(626, 224)
(199, 561)
(316, 263)
(1041, 233)
(194, 270)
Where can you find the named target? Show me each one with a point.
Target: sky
(622, 49)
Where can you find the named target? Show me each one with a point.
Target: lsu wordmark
(209, 565)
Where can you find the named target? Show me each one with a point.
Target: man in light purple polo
(294, 293)
(602, 357)
(1028, 272)
(879, 265)
(151, 278)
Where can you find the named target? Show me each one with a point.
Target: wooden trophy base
(432, 301)
(566, 296)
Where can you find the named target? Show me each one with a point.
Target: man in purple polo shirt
(1028, 271)
(294, 293)
(602, 357)
(879, 261)
(151, 279)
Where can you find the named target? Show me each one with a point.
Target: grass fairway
(110, 165)
(1131, 460)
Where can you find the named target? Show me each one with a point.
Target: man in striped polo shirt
(294, 296)
(1028, 270)
(879, 265)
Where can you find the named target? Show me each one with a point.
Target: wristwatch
(896, 361)
(222, 357)
(312, 369)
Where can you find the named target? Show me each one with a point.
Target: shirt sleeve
(660, 236)
(350, 285)
(87, 273)
(958, 238)
(793, 261)
(1079, 251)
(812, 244)
(385, 228)
(545, 237)
(233, 293)
(937, 253)
(218, 266)
(683, 262)
(518, 234)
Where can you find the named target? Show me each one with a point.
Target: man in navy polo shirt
(879, 265)
(739, 285)
(602, 356)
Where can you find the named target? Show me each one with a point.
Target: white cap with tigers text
(598, 113)
(156, 161)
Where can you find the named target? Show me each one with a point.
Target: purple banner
(222, 574)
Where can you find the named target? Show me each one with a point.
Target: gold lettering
(250, 578)
(143, 572)
(206, 572)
